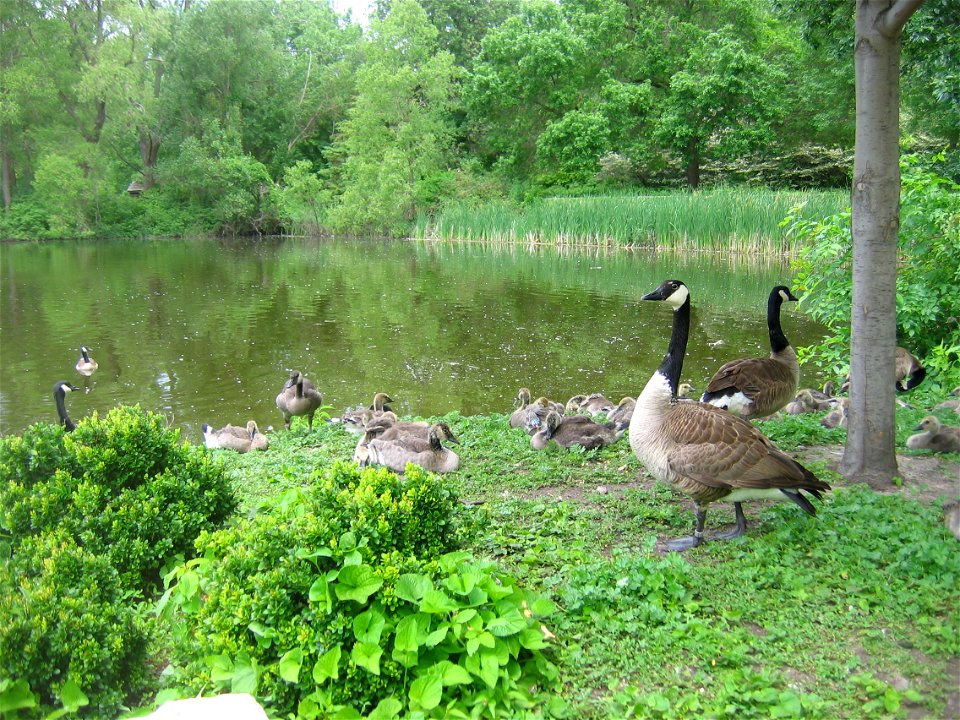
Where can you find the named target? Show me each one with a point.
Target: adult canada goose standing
(60, 390)
(298, 397)
(935, 436)
(86, 365)
(396, 454)
(757, 387)
(704, 451)
(231, 437)
(569, 430)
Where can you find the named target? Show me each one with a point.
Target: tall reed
(741, 219)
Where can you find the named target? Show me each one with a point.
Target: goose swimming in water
(60, 390)
(86, 365)
(703, 451)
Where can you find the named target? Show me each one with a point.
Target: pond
(207, 330)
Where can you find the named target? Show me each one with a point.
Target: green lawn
(852, 614)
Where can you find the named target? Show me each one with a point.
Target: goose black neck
(62, 412)
(778, 341)
(672, 365)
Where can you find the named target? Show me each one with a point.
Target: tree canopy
(227, 111)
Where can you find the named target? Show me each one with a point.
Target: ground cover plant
(847, 615)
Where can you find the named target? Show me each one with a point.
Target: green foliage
(346, 594)
(63, 191)
(68, 634)
(122, 485)
(927, 282)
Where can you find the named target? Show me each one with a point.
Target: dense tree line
(257, 116)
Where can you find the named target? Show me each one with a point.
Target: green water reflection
(207, 330)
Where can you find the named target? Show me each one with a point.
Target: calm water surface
(207, 330)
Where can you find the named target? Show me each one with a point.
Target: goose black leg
(739, 529)
(687, 543)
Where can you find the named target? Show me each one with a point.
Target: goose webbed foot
(739, 529)
(688, 543)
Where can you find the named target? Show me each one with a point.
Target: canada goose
(529, 412)
(396, 454)
(573, 404)
(809, 401)
(838, 416)
(704, 451)
(86, 365)
(951, 404)
(935, 436)
(352, 420)
(757, 387)
(571, 430)
(231, 437)
(60, 390)
(905, 366)
(596, 404)
(683, 392)
(298, 397)
(386, 426)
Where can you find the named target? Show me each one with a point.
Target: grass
(849, 615)
(739, 219)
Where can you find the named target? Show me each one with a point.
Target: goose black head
(673, 292)
(783, 292)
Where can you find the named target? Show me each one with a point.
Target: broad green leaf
(532, 639)
(426, 692)
(543, 606)
(489, 668)
(368, 626)
(407, 634)
(221, 668)
(348, 541)
(437, 602)
(509, 623)
(386, 709)
(189, 584)
(461, 584)
(320, 592)
(464, 616)
(454, 674)
(17, 697)
(412, 587)
(367, 656)
(327, 666)
(437, 636)
(244, 678)
(72, 697)
(357, 583)
(290, 665)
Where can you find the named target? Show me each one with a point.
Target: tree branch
(898, 14)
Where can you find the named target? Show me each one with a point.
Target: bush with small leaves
(68, 629)
(123, 486)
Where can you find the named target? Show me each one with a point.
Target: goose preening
(757, 387)
(935, 436)
(352, 420)
(86, 365)
(231, 437)
(297, 398)
(809, 401)
(569, 430)
(387, 426)
(908, 372)
(60, 390)
(397, 453)
(530, 414)
(704, 451)
(596, 404)
(622, 413)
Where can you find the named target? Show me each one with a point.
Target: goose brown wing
(719, 450)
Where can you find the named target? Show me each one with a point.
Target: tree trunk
(693, 165)
(870, 453)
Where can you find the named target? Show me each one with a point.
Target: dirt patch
(927, 478)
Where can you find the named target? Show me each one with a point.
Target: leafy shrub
(928, 282)
(346, 595)
(64, 623)
(123, 486)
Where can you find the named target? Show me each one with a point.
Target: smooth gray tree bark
(870, 453)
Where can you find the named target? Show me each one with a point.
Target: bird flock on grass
(707, 449)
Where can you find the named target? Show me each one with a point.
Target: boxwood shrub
(123, 486)
(348, 597)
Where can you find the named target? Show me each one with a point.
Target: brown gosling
(298, 397)
(935, 436)
(571, 430)
(398, 453)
